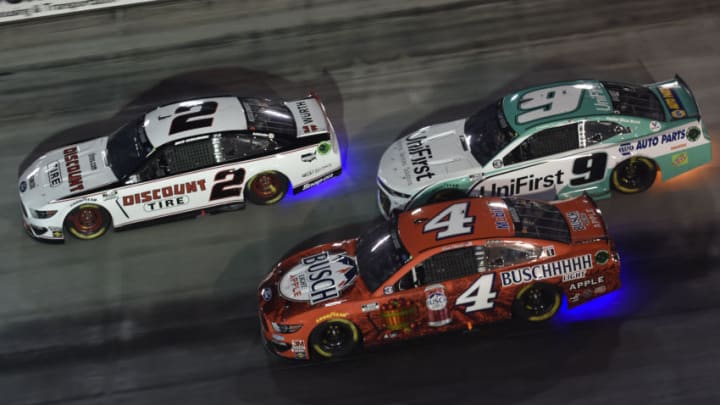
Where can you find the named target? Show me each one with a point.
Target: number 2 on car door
(228, 183)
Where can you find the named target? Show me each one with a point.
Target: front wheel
(334, 338)
(266, 188)
(537, 302)
(88, 221)
(634, 175)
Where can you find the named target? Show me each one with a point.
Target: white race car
(180, 158)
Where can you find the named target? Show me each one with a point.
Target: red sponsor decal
(310, 128)
(72, 163)
(164, 192)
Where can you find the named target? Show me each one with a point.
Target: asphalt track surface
(166, 314)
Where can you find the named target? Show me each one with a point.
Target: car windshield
(267, 116)
(380, 254)
(128, 148)
(488, 132)
(536, 219)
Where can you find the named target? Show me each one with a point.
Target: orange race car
(438, 268)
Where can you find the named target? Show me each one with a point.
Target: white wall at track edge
(23, 10)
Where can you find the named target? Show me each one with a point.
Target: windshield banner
(15, 10)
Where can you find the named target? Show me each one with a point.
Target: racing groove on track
(166, 314)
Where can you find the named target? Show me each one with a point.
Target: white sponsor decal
(53, 171)
(587, 283)
(574, 276)
(549, 250)
(176, 201)
(26, 9)
(547, 270)
(319, 277)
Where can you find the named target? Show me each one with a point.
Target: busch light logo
(626, 148)
(436, 301)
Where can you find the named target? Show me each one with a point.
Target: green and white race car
(554, 141)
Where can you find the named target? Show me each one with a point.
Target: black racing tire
(267, 188)
(446, 194)
(537, 302)
(88, 221)
(634, 175)
(334, 339)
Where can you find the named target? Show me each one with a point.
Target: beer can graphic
(436, 301)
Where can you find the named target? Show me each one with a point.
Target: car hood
(319, 277)
(69, 170)
(428, 156)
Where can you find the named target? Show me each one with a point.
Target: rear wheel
(266, 188)
(88, 221)
(537, 302)
(634, 175)
(334, 338)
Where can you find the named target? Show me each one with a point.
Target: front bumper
(41, 229)
(288, 346)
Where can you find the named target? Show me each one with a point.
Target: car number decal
(592, 168)
(228, 183)
(480, 295)
(201, 118)
(547, 102)
(452, 221)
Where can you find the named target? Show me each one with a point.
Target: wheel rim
(87, 220)
(266, 186)
(334, 338)
(537, 302)
(635, 175)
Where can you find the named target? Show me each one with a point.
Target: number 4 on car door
(479, 295)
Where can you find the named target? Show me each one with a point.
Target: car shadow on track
(236, 81)
(547, 71)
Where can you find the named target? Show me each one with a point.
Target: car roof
(492, 220)
(556, 102)
(220, 114)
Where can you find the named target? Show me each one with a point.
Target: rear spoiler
(584, 219)
(677, 98)
(597, 209)
(310, 116)
(685, 87)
